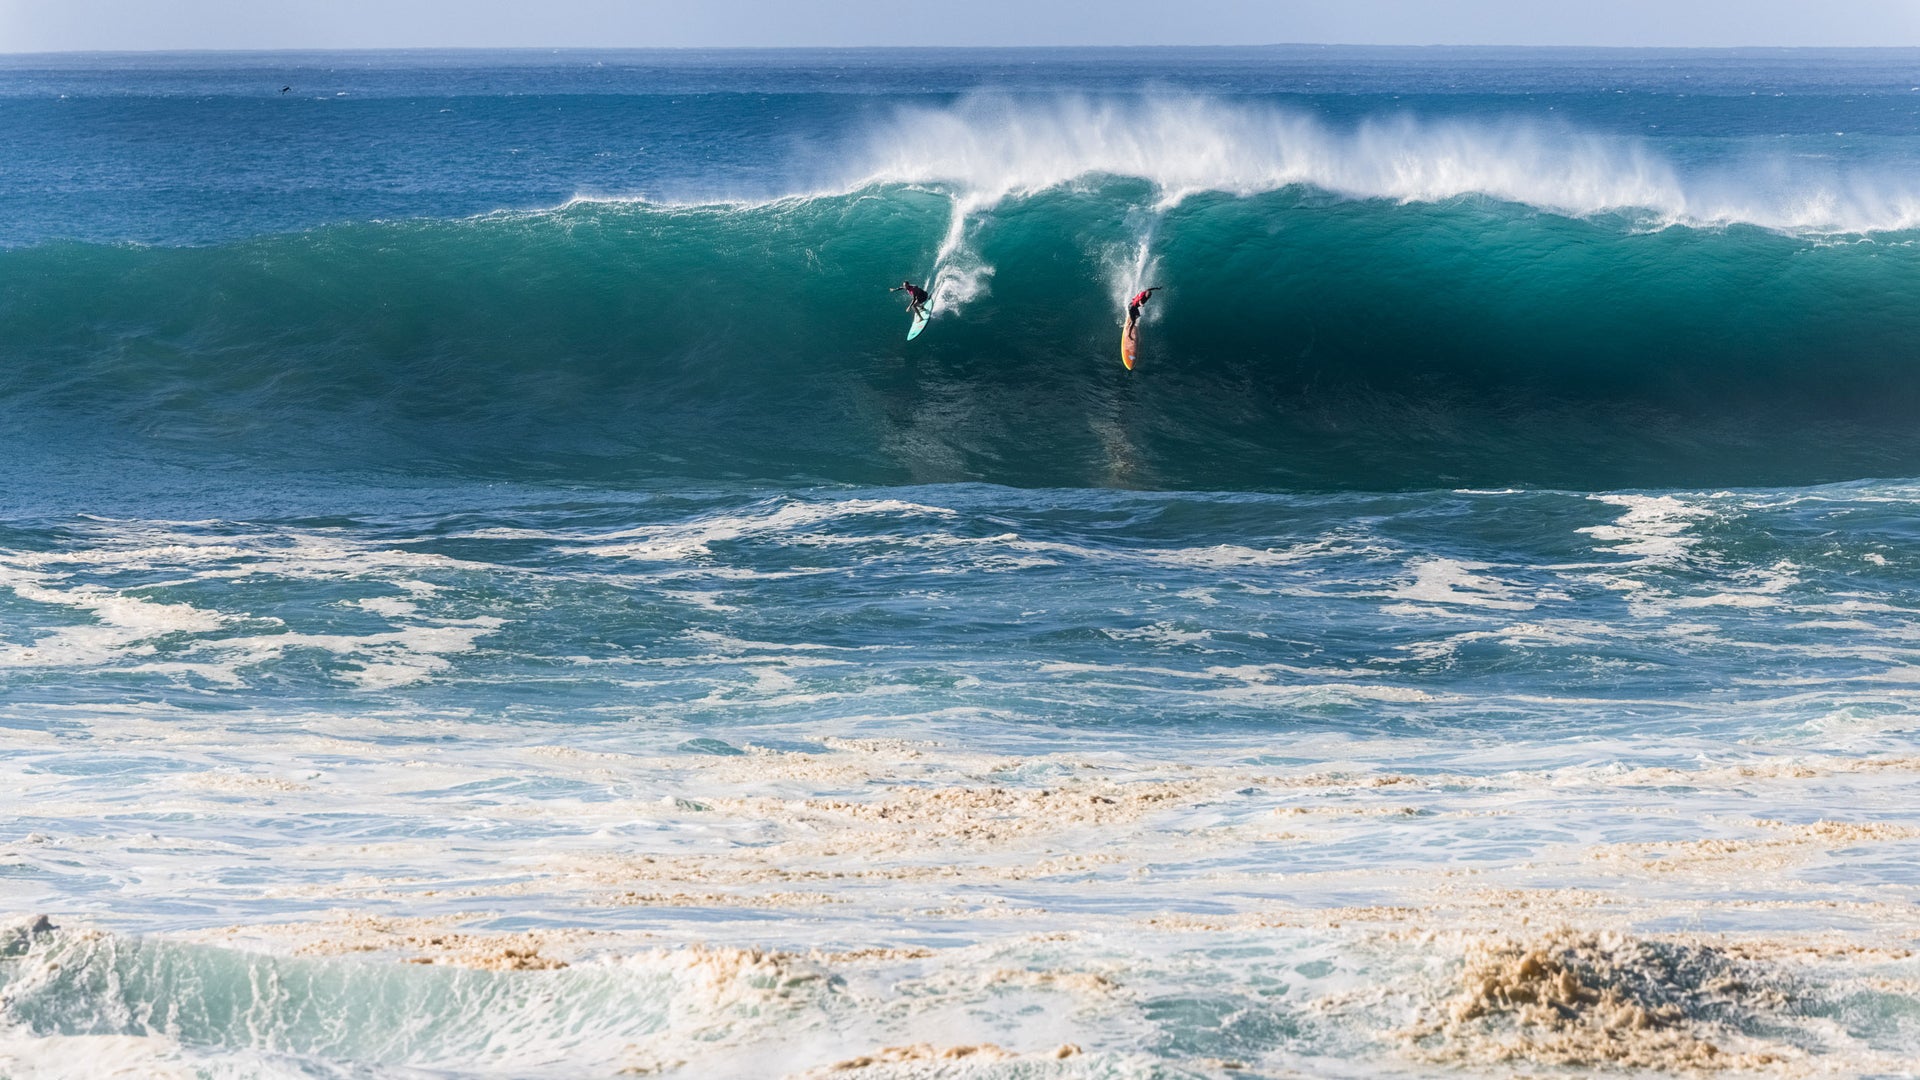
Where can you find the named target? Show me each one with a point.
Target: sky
(64, 25)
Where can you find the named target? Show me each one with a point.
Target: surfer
(1133, 312)
(916, 297)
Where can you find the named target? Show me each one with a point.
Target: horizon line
(295, 50)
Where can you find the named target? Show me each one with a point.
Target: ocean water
(486, 589)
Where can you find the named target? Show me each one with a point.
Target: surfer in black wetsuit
(916, 297)
(1133, 311)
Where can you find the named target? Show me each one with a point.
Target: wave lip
(990, 147)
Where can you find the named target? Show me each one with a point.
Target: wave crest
(986, 148)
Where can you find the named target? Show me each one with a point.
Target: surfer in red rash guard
(1133, 311)
(916, 297)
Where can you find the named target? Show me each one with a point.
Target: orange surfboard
(1126, 346)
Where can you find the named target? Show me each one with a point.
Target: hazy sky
(38, 25)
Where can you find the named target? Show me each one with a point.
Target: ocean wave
(989, 147)
(1300, 342)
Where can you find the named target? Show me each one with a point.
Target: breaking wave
(1394, 304)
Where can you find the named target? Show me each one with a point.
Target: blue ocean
(487, 589)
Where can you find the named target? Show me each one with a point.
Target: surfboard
(1126, 346)
(920, 320)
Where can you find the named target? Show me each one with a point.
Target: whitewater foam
(966, 851)
(843, 722)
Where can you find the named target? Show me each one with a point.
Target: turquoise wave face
(1303, 341)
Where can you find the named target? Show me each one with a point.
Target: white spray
(959, 273)
(991, 147)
